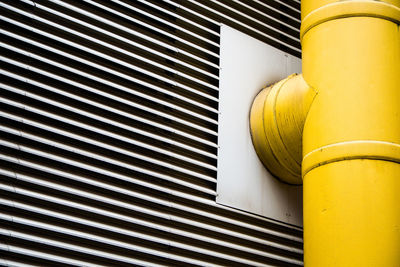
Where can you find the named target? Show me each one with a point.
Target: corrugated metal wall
(109, 130)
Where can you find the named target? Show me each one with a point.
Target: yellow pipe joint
(346, 9)
(308, 6)
(351, 150)
(276, 123)
(348, 132)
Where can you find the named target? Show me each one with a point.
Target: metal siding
(109, 129)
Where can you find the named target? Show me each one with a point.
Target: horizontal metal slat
(160, 25)
(278, 9)
(129, 165)
(151, 43)
(233, 18)
(192, 14)
(223, 230)
(126, 23)
(99, 131)
(78, 254)
(205, 211)
(146, 181)
(28, 256)
(265, 13)
(207, 221)
(59, 235)
(190, 21)
(154, 111)
(67, 161)
(187, 246)
(257, 20)
(92, 26)
(208, 138)
(125, 235)
(244, 244)
(181, 250)
(59, 138)
(293, 4)
(157, 94)
(179, 28)
(169, 77)
(142, 99)
(100, 135)
(51, 228)
(47, 191)
(60, 123)
(135, 147)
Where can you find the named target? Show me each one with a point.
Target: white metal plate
(248, 65)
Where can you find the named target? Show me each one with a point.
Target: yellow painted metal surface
(351, 214)
(276, 123)
(307, 6)
(351, 136)
(345, 9)
(351, 142)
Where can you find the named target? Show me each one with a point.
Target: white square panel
(248, 65)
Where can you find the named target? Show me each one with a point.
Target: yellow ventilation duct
(276, 123)
(351, 135)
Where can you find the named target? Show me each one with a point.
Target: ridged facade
(109, 115)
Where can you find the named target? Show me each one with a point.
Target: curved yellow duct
(276, 125)
(351, 135)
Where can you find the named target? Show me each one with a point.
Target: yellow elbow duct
(351, 135)
(276, 124)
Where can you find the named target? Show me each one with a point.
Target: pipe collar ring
(350, 150)
(345, 9)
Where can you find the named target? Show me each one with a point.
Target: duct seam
(345, 9)
(351, 150)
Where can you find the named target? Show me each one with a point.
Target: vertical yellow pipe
(351, 138)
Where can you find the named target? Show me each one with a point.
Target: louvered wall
(109, 131)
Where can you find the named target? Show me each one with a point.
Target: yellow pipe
(351, 141)
(351, 136)
(276, 125)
